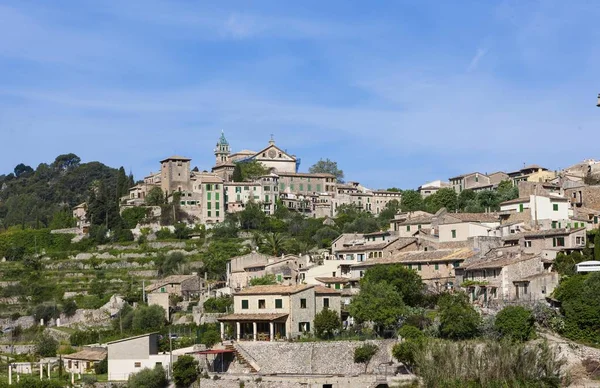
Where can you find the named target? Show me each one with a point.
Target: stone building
(436, 268)
(188, 287)
(431, 188)
(267, 313)
(548, 242)
(507, 274)
(242, 269)
(469, 181)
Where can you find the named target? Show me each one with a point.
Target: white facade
(133, 354)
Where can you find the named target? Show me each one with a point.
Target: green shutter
(244, 304)
(437, 266)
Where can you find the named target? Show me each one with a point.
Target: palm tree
(274, 242)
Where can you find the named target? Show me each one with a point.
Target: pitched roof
(176, 157)
(87, 355)
(276, 289)
(507, 258)
(332, 279)
(439, 255)
(516, 200)
(474, 217)
(326, 290)
(305, 174)
(417, 220)
(541, 233)
(173, 279)
(466, 175)
(132, 338)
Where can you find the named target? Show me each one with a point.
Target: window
(309, 187)
(419, 267)
(301, 187)
(419, 227)
(208, 205)
(558, 242)
(521, 208)
(326, 303)
(208, 187)
(217, 205)
(595, 219)
(216, 196)
(162, 289)
(456, 264)
(304, 326)
(217, 213)
(302, 303)
(137, 364)
(410, 266)
(553, 224)
(262, 304)
(437, 267)
(244, 304)
(246, 188)
(208, 196)
(319, 188)
(408, 228)
(266, 198)
(453, 231)
(279, 278)
(338, 286)
(555, 207)
(527, 244)
(278, 303)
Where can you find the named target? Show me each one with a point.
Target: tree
(167, 265)
(407, 282)
(326, 323)
(364, 353)
(327, 167)
(133, 215)
(580, 306)
(237, 173)
(411, 201)
(181, 231)
(458, 319)
(488, 200)
(266, 280)
(507, 191)
(388, 213)
(466, 198)
(379, 303)
(46, 346)
(515, 322)
(274, 243)
(148, 318)
(443, 198)
(69, 307)
(148, 378)
(218, 305)
(62, 219)
(22, 170)
(407, 350)
(101, 368)
(185, 371)
(66, 162)
(155, 197)
(252, 217)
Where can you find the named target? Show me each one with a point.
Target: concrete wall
(120, 370)
(464, 230)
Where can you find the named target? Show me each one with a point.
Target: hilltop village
(256, 274)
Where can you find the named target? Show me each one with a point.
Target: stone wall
(313, 358)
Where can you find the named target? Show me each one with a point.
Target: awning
(215, 351)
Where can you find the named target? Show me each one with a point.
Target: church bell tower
(222, 150)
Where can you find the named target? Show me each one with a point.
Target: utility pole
(170, 355)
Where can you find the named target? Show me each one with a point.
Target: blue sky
(397, 92)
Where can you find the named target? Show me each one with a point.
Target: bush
(46, 346)
(515, 322)
(185, 371)
(84, 337)
(488, 364)
(148, 318)
(101, 367)
(410, 332)
(218, 305)
(326, 323)
(148, 378)
(458, 319)
(69, 307)
(364, 353)
(406, 352)
(210, 337)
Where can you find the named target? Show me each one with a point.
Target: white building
(131, 355)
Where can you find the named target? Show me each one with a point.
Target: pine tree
(237, 173)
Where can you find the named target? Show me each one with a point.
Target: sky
(397, 92)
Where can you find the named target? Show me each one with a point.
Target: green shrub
(458, 319)
(515, 322)
(326, 323)
(46, 346)
(218, 305)
(101, 367)
(185, 371)
(406, 351)
(410, 332)
(148, 378)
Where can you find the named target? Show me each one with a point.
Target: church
(272, 157)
